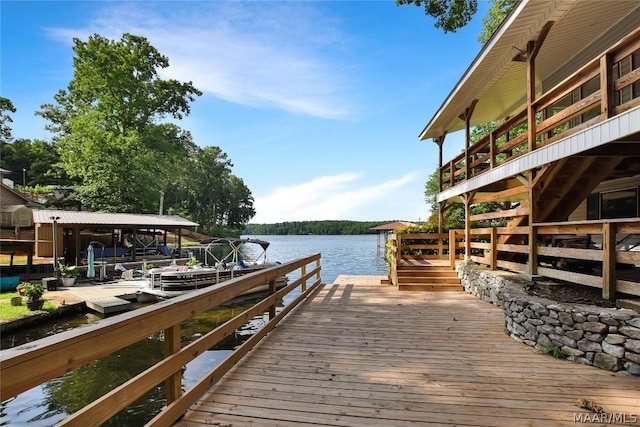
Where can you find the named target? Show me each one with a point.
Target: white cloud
(276, 55)
(329, 197)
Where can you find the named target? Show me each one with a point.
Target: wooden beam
(501, 214)
(494, 249)
(440, 141)
(510, 192)
(559, 192)
(608, 260)
(466, 116)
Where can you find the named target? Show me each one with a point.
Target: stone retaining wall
(607, 338)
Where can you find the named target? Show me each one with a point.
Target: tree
(5, 118)
(106, 124)
(495, 15)
(451, 15)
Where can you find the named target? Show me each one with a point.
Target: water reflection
(53, 401)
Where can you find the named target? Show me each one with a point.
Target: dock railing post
(272, 307)
(173, 384)
(303, 272)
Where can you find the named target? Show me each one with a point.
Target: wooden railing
(599, 90)
(32, 364)
(601, 254)
(416, 246)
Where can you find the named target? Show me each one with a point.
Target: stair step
(422, 279)
(428, 287)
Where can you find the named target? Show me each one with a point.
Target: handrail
(53, 356)
(550, 249)
(551, 127)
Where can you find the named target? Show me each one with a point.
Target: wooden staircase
(427, 277)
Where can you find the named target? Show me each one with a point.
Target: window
(618, 204)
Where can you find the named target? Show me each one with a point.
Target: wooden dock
(359, 353)
(105, 298)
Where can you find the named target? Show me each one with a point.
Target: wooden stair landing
(427, 276)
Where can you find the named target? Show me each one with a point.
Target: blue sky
(317, 104)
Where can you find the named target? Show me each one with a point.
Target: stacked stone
(607, 338)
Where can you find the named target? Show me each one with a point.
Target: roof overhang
(499, 83)
(111, 220)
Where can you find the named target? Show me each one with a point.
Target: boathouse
(75, 230)
(560, 81)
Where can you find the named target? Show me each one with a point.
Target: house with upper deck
(561, 82)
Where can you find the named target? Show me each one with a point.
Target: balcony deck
(361, 353)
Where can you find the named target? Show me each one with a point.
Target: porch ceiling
(499, 83)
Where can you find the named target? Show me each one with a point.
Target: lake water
(53, 401)
(340, 254)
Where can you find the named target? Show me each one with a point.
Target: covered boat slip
(358, 353)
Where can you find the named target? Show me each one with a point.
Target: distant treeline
(313, 227)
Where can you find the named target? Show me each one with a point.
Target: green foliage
(495, 15)
(313, 227)
(5, 118)
(555, 352)
(450, 15)
(68, 270)
(106, 124)
(33, 291)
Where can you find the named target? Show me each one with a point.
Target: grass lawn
(10, 312)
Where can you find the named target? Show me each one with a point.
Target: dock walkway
(359, 353)
(106, 298)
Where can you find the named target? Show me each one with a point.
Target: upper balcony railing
(604, 87)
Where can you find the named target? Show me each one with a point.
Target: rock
(630, 331)
(562, 340)
(539, 308)
(607, 362)
(614, 350)
(578, 317)
(608, 320)
(586, 345)
(535, 322)
(546, 329)
(544, 341)
(635, 322)
(550, 320)
(632, 345)
(615, 339)
(632, 367)
(566, 318)
(632, 356)
(593, 337)
(570, 351)
(592, 317)
(592, 327)
(576, 334)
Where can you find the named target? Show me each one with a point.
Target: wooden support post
(494, 248)
(173, 384)
(608, 260)
(135, 244)
(272, 307)
(303, 272)
(531, 95)
(440, 141)
(492, 149)
(318, 269)
(76, 238)
(452, 173)
(606, 86)
(466, 116)
(467, 226)
(533, 240)
(441, 208)
(452, 248)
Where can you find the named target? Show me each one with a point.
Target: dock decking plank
(359, 353)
